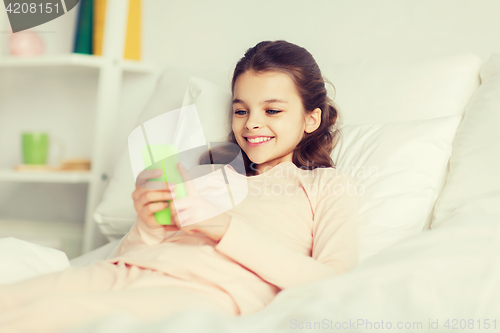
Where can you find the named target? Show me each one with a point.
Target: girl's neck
(268, 168)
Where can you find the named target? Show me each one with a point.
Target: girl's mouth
(258, 144)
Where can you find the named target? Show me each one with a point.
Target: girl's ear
(313, 120)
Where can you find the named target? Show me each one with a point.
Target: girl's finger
(181, 209)
(154, 207)
(143, 200)
(173, 214)
(147, 174)
(144, 180)
(154, 196)
(184, 218)
(153, 185)
(178, 216)
(139, 191)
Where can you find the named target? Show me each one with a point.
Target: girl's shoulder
(331, 174)
(326, 181)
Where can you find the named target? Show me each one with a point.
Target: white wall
(206, 38)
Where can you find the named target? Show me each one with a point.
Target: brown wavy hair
(314, 149)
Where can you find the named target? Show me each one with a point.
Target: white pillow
(382, 91)
(116, 214)
(213, 104)
(399, 168)
(473, 185)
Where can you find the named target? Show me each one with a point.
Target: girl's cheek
(235, 125)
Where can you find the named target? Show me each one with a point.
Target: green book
(83, 36)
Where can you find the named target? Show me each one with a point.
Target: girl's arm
(334, 249)
(140, 236)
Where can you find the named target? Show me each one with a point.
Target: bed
(420, 137)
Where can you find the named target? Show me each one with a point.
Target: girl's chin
(256, 160)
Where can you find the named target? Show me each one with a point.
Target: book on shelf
(133, 31)
(133, 37)
(99, 17)
(84, 27)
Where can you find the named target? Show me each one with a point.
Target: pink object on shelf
(27, 43)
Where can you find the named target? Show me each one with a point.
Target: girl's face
(268, 108)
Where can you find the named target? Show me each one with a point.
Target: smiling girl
(298, 225)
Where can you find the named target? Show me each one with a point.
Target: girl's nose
(253, 126)
(253, 122)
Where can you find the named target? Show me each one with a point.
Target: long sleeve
(336, 227)
(141, 236)
(334, 248)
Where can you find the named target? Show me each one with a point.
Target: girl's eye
(240, 112)
(274, 111)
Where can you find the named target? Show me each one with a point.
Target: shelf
(73, 59)
(8, 175)
(136, 67)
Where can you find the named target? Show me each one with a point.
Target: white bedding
(451, 273)
(21, 260)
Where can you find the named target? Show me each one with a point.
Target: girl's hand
(194, 214)
(150, 197)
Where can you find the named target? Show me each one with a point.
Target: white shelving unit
(111, 67)
(70, 177)
(73, 59)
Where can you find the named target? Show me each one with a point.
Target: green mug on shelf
(35, 148)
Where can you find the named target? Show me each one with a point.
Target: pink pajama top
(295, 226)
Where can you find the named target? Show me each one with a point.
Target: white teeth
(261, 139)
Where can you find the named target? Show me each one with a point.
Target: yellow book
(133, 39)
(99, 17)
(133, 33)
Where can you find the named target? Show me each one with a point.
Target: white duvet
(442, 280)
(21, 260)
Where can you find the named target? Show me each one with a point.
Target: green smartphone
(164, 157)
